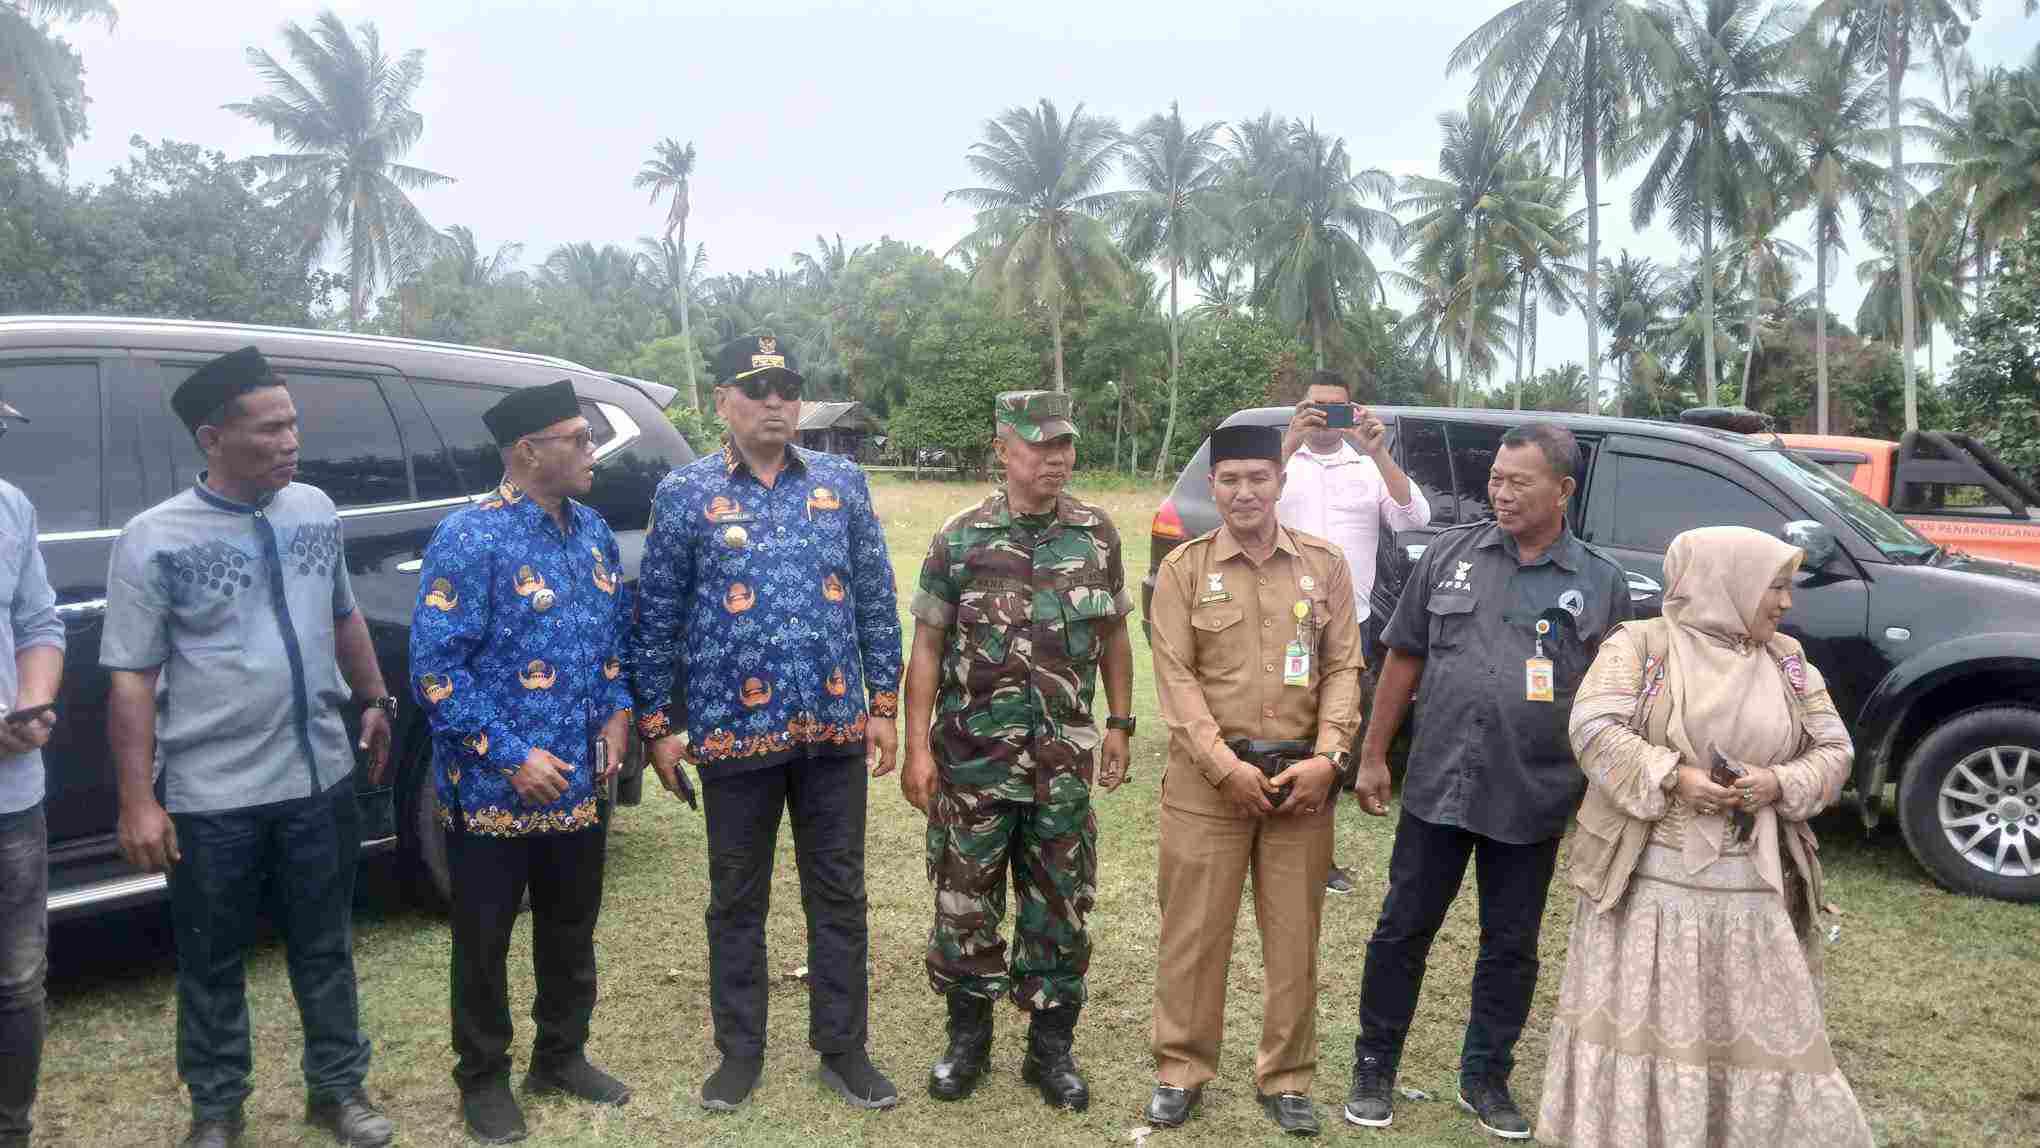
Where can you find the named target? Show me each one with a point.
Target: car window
(1657, 500)
(1846, 471)
(1950, 497)
(473, 463)
(1429, 465)
(348, 445)
(1473, 456)
(1885, 530)
(55, 459)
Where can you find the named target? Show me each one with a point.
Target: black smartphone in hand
(24, 716)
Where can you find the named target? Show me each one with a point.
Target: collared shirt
(1221, 625)
(518, 641)
(1343, 497)
(1484, 757)
(1024, 601)
(778, 601)
(32, 622)
(238, 605)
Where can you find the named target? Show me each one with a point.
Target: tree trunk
(1820, 346)
(1119, 414)
(693, 388)
(1175, 376)
(1055, 333)
(1894, 73)
(1522, 331)
(1707, 305)
(1450, 389)
(1749, 359)
(1535, 313)
(1590, 168)
(1465, 390)
(1317, 340)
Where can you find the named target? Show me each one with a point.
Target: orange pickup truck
(1951, 488)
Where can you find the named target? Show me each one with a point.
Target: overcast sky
(850, 119)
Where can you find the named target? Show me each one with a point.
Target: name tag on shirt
(1296, 665)
(1537, 680)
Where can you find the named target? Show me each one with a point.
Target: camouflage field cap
(1035, 416)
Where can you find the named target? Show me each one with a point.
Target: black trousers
(24, 960)
(294, 860)
(490, 875)
(826, 796)
(1424, 873)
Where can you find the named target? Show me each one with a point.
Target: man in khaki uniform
(1257, 661)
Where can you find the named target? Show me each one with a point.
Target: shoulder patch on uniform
(1178, 554)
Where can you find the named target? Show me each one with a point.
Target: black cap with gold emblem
(753, 356)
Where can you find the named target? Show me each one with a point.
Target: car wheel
(1970, 803)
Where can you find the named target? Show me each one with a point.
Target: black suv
(1932, 656)
(390, 428)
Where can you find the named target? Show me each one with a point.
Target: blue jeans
(295, 860)
(24, 958)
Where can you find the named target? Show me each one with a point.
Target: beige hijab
(1726, 690)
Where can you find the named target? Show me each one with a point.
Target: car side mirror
(1815, 539)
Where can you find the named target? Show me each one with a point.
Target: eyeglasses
(582, 439)
(755, 389)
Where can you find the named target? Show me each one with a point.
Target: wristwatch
(1125, 723)
(1342, 762)
(386, 703)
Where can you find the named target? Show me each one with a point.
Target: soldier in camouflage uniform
(1022, 599)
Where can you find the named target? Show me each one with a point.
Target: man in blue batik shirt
(517, 656)
(766, 576)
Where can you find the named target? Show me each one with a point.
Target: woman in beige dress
(1690, 1013)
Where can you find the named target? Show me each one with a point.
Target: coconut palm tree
(1172, 214)
(1488, 204)
(347, 121)
(1763, 258)
(1635, 292)
(600, 273)
(1990, 156)
(1311, 230)
(1575, 67)
(41, 77)
(1937, 295)
(1040, 214)
(669, 172)
(1887, 33)
(1546, 273)
(1828, 110)
(1706, 136)
(459, 249)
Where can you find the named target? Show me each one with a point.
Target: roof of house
(840, 416)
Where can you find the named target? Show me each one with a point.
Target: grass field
(1934, 1000)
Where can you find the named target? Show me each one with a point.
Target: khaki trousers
(1206, 858)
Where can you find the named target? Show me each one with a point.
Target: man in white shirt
(1342, 485)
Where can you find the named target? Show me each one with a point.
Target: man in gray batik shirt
(31, 663)
(233, 596)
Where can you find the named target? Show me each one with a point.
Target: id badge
(1296, 665)
(1537, 680)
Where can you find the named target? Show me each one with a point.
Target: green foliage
(961, 362)
(1227, 365)
(703, 429)
(1560, 388)
(1995, 392)
(42, 90)
(178, 232)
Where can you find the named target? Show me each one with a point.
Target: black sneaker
(1491, 1104)
(1368, 1105)
(1338, 881)
(857, 1080)
(731, 1083)
(491, 1113)
(214, 1132)
(579, 1079)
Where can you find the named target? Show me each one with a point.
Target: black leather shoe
(1170, 1106)
(1050, 1066)
(491, 1114)
(223, 1132)
(969, 1055)
(352, 1120)
(1292, 1112)
(579, 1079)
(1369, 1104)
(1489, 1101)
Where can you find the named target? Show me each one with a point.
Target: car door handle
(411, 567)
(1642, 586)
(76, 611)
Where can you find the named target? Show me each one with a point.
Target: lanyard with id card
(1537, 672)
(1296, 657)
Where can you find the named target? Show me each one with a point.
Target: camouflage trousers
(974, 839)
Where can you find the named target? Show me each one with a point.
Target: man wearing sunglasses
(517, 657)
(766, 576)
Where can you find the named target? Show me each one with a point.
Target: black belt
(1271, 757)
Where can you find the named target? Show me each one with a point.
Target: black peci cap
(1246, 442)
(752, 355)
(219, 382)
(531, 410)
